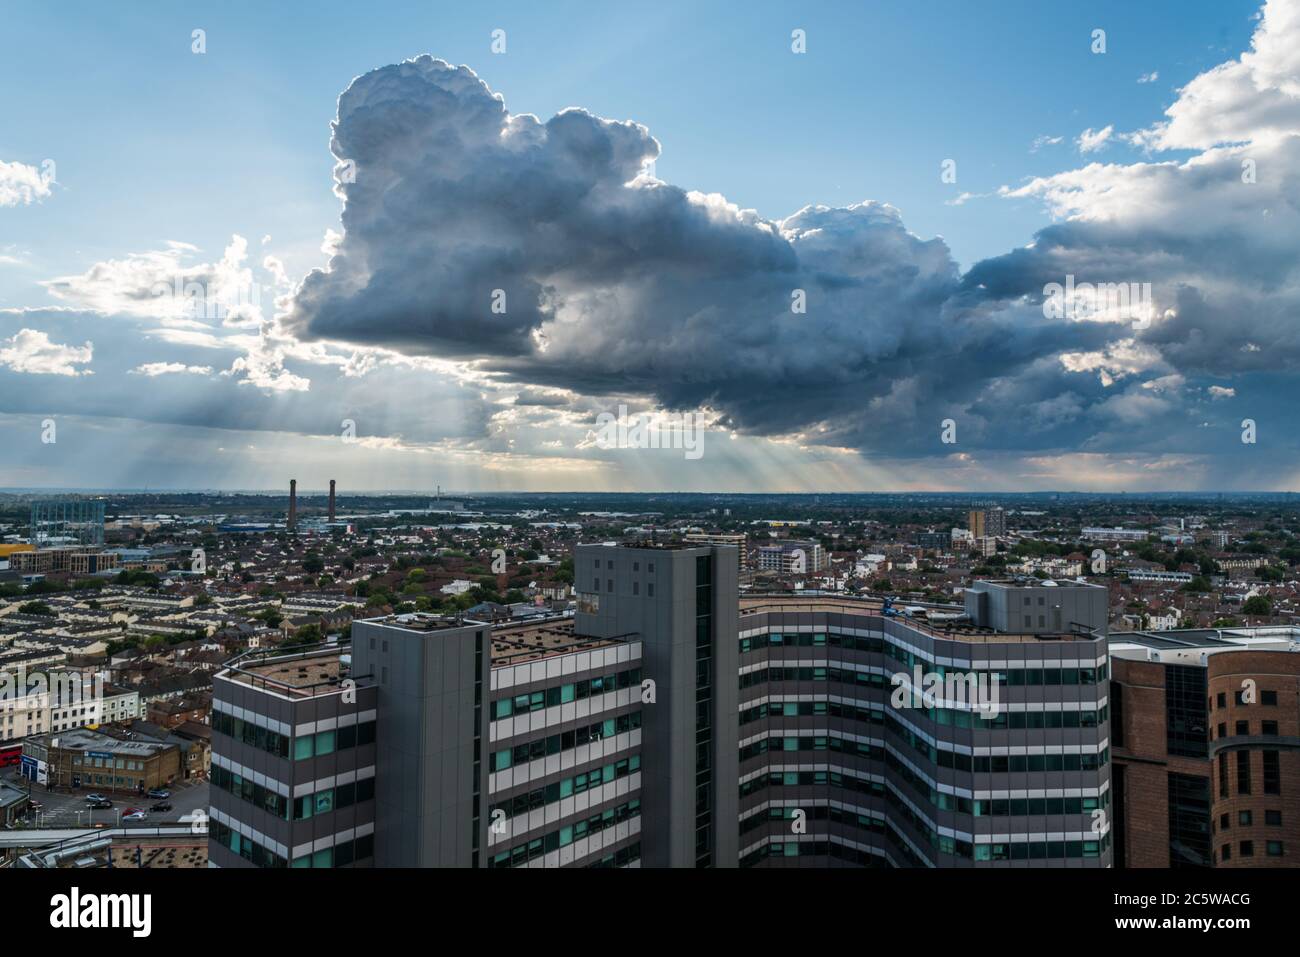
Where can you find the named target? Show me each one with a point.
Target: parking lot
(68, 808)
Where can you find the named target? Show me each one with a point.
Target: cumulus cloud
(22, 185)
(164, 284)
(32, 352)
(614, 282)
(152, 369)
(537, 274)
(1090, 140)
(1248, 100)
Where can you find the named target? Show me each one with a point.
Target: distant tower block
(293, 504)
(331, 500)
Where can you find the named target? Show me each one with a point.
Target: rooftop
(512, 642)
(305, 674)
(83, 739)
(534, 640)
(957, 630)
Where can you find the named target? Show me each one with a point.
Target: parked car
(134, 814)
(159, 793)
(161, 808)
(101, 805)
(93, 798)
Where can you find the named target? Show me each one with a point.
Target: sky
(822, 247)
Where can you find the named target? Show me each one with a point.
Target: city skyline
(471, 270)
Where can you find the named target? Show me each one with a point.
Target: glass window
(325, 743)
(302, 748)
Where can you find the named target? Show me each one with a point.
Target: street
(68, 808)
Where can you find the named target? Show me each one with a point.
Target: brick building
(1205, 732)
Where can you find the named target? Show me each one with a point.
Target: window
(650, 588)
(302, 747)
(1243, 727)
(1226, 853)
(1186, 722)
(1247, 848)
(1268, 728)
(1244, 818)
(1223, 774)
(1274, 848)
(1272, 773)
(1243, 772)
(1268, 698)
(325, 743)
(1273, 818)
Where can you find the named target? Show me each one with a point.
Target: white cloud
(1250, 99)
(1044, 140)
(1221, 392)
(21, 184)
(1090, 140)
(152, 369)
(32, 352)
(1149, 77)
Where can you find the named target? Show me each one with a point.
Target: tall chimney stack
(293, 504)
(331, 500)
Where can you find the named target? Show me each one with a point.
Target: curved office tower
(874, 739)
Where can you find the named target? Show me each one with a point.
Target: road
(67, 808)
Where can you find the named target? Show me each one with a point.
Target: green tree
(1257, 605)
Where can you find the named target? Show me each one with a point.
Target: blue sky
(154, 144)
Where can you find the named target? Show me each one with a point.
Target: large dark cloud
(617, 283)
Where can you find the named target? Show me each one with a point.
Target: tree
(1257, 605)
(35, 608)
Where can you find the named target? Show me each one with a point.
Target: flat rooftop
(512, 642)
(951, 631)
(1029, 581)
(302, 675)
(1212, 639)
(532, 641)
(423, 621)
(83, 739)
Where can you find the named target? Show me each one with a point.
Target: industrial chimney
(331, 500)
(293, 504)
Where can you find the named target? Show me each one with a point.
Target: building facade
(845, 760)
(293, 762)
(1206, 747)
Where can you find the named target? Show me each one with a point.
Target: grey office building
(680, 601)
(293, 762)
(847, 759)
(671, 723)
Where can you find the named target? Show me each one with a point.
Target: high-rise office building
(293, 762)
(846, 759)
(670, 723)
(509, 747)
(681, 602)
